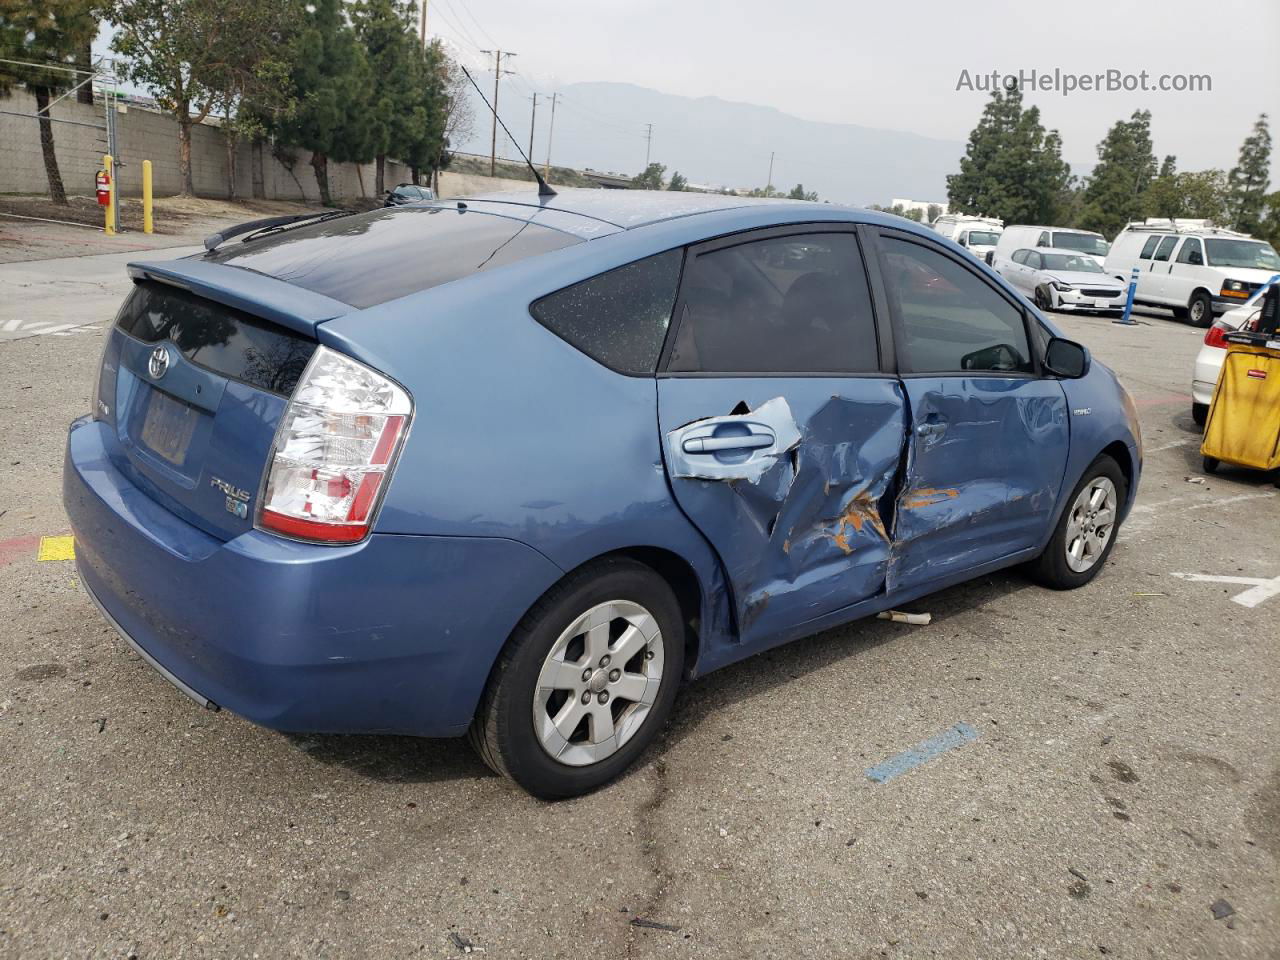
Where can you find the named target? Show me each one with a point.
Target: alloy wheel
(598, 683)
(1091, 523)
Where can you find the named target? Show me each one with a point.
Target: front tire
(1086, 531)
(1200, 309)
(1044, 301)
(585, 683)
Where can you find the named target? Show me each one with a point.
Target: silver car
(1063, 281)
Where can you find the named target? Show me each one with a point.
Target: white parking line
(1176, 443)
(1260, 588)
(19, 329)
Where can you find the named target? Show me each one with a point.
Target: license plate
(168, 427)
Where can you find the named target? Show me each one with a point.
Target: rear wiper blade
(261, 228)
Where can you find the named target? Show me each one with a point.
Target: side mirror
(1066, 358)
(960, 240)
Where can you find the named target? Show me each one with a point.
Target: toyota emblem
(158, 363)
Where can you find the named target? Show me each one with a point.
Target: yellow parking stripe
(56, 548)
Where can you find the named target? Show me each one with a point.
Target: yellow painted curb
(56, 548)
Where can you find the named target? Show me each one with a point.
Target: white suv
(1191, 267)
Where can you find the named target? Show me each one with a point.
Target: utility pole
(497, 75)
(769, 183)
(422, 27)
(648, 142)
(533, 118)
(546, 167)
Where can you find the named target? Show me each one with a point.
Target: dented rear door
(782, 435)
(988, 435)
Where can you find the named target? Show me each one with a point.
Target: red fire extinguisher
(104, 188)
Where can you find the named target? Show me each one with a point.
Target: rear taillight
(1213, 337)
(335, 448)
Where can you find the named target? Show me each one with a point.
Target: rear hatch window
(194, 390)
(215, 337)
(370, 258)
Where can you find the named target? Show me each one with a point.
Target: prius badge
(237, 498)
(158, 362)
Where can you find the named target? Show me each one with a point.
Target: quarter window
(1149, 248)
(619, 318)
(1020, 256)
(794, 304)
(1166, 247)
(952, 321)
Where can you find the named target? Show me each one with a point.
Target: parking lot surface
(1082, 774)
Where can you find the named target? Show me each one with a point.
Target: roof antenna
(544, 190)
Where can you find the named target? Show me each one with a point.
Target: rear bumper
(393, 635)
(1204, 377)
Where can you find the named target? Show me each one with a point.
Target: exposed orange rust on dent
(860, 512)
(928, 496)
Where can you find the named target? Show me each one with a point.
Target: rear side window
(619, 318)
(952, 321)
(1149, 248)
(219, 338)
(370, 258)
(794, 304)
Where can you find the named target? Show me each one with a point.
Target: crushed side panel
(804, 531)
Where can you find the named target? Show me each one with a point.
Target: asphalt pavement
(1099, 776)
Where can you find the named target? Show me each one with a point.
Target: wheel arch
(684, 582)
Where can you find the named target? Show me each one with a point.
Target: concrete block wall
(146, 135)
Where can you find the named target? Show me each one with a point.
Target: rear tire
(1211, 464)
(1200, 309)
(1199, 413)
(527, 704)
(1086, 531)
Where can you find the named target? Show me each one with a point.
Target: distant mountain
(723, 143)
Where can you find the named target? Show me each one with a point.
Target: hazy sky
(896, 64)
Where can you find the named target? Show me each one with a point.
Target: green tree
(1126, 167)
(1248, 179)
(250, 84)
(399, 94)
(1012, 167)
(1269, 226)
(1169, 167)
(651, 179)
(45, 31)
(798, 193)
(178, 49)
(935, 212)
(678, 182)
(1200, 195)
(330, 80)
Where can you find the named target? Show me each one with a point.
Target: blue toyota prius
(516, 466)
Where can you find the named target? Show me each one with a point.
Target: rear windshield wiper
(262, 228)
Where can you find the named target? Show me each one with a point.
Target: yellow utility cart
(1243, 426)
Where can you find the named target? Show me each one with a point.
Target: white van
(1022, 237)
(1194, 269)
(978, 235)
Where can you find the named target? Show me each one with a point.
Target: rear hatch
(194, 389)
(206, 352)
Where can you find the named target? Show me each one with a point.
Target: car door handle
(931, 429)
(713, 444)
